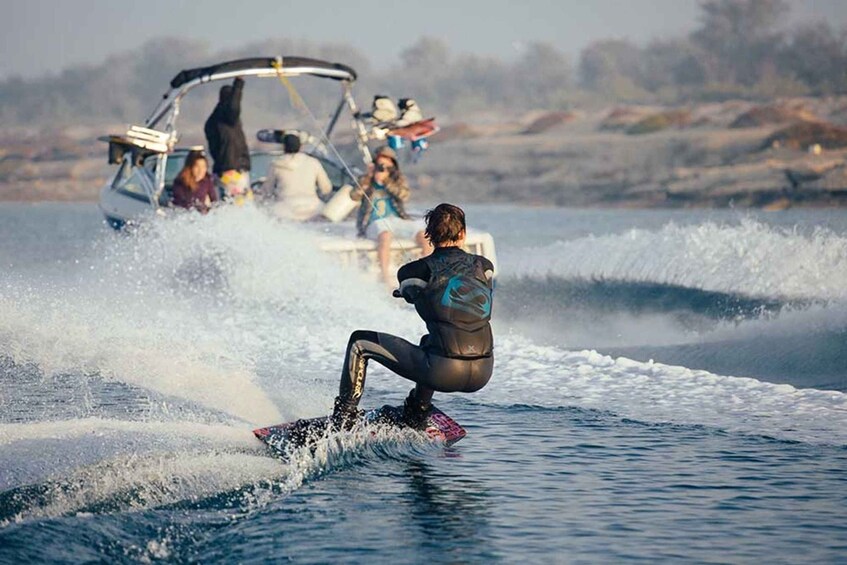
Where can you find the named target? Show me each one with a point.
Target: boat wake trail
(656, 393)
(132, 382)
(145, 311)
(741, 299)
(118, 466)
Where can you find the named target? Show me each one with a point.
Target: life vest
(456, 306)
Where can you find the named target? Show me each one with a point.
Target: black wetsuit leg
(430, 372)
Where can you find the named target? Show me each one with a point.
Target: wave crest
(749, 259)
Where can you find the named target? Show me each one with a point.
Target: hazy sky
(45, 36)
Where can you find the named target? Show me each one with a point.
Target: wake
(254, 335)
(750, 259)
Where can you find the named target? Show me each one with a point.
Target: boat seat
(362, 252)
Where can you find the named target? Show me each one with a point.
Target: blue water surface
(96, 465)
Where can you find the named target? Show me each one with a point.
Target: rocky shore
(776, 155)
(68, 165)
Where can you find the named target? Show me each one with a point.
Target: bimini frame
(167, 111)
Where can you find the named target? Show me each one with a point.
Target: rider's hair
(444, 224)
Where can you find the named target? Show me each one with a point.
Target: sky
(40, 37)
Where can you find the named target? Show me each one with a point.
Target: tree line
(740, 49)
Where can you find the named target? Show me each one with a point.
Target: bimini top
(267, 65)
(262, 67)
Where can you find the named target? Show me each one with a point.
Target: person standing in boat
(193, 187)
(452, 291)
(297, 182)
(382, 213)
(227, 143)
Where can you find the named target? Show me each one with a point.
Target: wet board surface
(280, 438)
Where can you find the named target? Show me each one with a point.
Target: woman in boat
(382, 214)
(193, 186)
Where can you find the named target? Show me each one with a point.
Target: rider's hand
(409, 294)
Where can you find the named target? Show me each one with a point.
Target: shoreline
(835, 201)
(789, 153)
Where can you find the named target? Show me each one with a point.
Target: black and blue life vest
(456, 306)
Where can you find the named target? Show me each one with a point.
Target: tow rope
(299, 103)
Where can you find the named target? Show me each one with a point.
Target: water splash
(194, 308)
(228, 466)
(243, 315)
(748, 259)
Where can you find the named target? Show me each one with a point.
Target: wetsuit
(452, 292)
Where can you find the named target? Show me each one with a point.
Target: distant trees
(122, 88)
(127, 86)
(674, 63)
(740, 48)
(738, 38)
(424, 67)
(612, 66)
(541, 77)
(544, 77)
(816, 55)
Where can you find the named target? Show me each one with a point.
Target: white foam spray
(240, 314)
(750, 258)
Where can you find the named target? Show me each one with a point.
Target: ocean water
(669, 386)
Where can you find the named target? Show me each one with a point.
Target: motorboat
(148, 156)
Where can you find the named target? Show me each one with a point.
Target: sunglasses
(383, 168)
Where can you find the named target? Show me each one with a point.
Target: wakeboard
(417, 130)
(301, 433)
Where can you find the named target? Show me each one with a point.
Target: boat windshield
(174, 165)
(138, 185)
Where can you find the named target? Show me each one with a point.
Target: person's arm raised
(233, 106)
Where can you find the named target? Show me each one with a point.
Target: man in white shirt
(294, 181)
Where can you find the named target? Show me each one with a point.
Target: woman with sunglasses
(382, 214)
